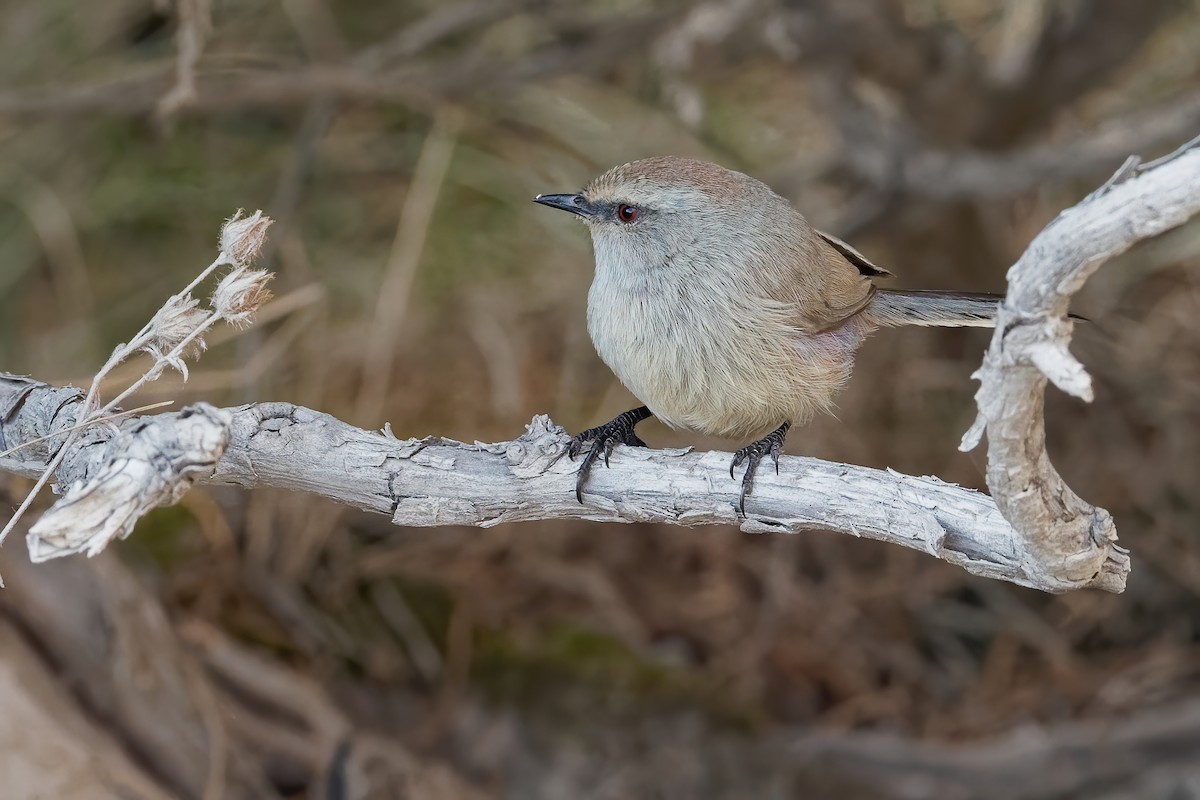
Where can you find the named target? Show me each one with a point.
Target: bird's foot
(753, 453)
(602, 439)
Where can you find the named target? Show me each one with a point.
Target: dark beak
(574, 203)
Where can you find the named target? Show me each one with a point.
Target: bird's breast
(704, 363)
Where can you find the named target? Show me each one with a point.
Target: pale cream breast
(710, 369)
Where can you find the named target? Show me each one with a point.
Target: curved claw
(574, 449)
(738, 458)
(752, 454)
(608, 448)
(586, 467)
(579, 440)
(747, 483)
(604, 438)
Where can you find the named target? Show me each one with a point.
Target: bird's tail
(894, 307)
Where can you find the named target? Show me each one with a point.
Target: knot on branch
(149, 464)
(542, 445)
(1043, 341)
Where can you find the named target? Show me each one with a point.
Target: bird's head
(645, 213)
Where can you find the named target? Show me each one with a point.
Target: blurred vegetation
(874, 118)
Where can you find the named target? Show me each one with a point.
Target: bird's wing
(856, 258)
(828, 282)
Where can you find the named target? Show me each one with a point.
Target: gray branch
(1072, 544)
(116, 471)
(435, 481)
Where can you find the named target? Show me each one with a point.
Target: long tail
(893, 307)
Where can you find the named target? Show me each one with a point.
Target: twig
(95, 421)
(195, 24)
(427, 84)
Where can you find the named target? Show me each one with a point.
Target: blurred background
(267, 644)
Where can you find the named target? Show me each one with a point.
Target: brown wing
(853, 256)
(827, 284)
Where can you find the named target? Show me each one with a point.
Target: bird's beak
(574, 203)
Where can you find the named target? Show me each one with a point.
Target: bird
(719, 306)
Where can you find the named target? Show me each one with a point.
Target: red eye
(626, 213)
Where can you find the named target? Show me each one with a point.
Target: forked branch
(1072, 544)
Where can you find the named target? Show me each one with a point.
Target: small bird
(725, 312)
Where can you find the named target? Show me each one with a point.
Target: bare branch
(436, 481)
(1072, 543)
(425, 83)
(951, 175)
(153, 467)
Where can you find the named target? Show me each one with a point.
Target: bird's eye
(626, 213)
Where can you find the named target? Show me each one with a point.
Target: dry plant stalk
(107, 505)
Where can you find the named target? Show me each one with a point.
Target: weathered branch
(1071, 542)
(436, 481)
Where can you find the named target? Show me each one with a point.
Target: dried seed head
(241, 293)
(242, 239)
(175, 322)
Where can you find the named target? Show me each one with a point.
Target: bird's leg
(753, 453)
(603, 439)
